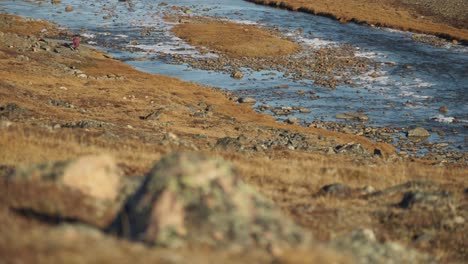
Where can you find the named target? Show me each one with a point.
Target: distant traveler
(76, 41)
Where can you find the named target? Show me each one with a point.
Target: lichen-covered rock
(88, 189)
(362, 244)
(189, 198)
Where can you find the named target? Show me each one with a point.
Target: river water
(400, 97)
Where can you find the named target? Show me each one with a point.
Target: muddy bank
(446, 19)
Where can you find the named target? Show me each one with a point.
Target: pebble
(69, 9)
(247, 100)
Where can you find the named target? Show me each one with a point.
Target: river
(414, 79)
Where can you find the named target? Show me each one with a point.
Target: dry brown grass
(234, 40)
(376, 12)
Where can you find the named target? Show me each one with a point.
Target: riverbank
(81, 102)
(446, 19)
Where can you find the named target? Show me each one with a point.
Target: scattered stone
(89, 189)
(374, 75)
(60, 103)
(418, 132)
(352, 149)
(247, 100)
(68, 9)
(153, 115)
(191, 199)
(87, 124)
(13, 111)
(283, 86)
(229, 143)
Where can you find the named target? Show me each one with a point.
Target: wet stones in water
(89, 189)
(304, 110)
(425, 199)
(443, 109)
(353, 116)
(192, 199)
(418, 133)
(237, 75)
(247, 100)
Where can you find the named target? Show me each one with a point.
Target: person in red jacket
(76, 41)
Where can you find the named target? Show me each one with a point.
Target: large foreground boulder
(191, 199)
(88, 189)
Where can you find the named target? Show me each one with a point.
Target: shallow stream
(414, 79)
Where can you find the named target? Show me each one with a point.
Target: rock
(425, 199)
(336, 189)
(283, 86)
(443, 109)
(418, 132)
(192, 199)
(305, 110)
(367, 190)
(407, 67)
(352, 148)
(378, 152)
(247, 100)
(352, 116)
(292, 121)
(5, 124)
(69, 9)
(364, 247)
(89, 189)
(229, 143)
(455, 42)
(56, 2)
(237, 75)
(374, 75)
(300, 92)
